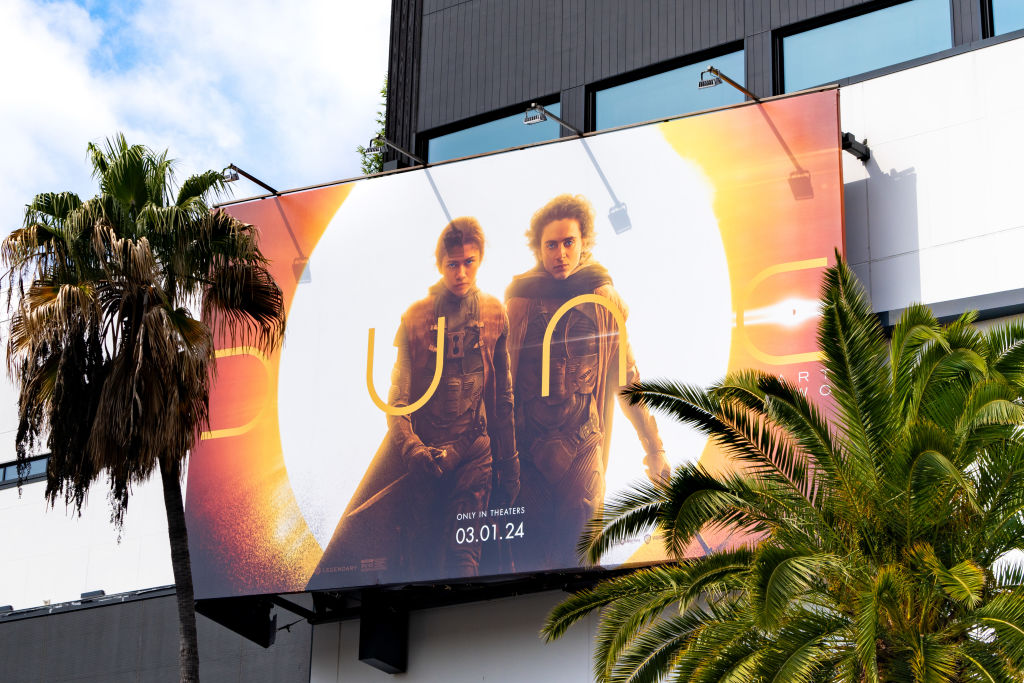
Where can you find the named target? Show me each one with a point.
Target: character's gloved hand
(506, 481)
(657, 466)
(425, 460)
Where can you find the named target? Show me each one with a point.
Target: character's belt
(439, 436)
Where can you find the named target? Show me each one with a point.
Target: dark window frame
(590, 93)
(16, 481)
(424, 137)
(988, 19)
(988, 23)
(839, 16)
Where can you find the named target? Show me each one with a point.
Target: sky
(285, 92)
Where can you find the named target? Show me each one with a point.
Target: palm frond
(244, 304)
(199, 186)
(855, 361)
(114, 371)
(916, 331)
(782, 576)
(1006, 351)
(803, 648)
(878, 537)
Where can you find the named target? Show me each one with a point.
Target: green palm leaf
(877, 541)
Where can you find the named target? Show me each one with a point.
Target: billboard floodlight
(533, 116)
(708, 82)
(717, 77)
(378, 145)
(232, 172)
(536, 113)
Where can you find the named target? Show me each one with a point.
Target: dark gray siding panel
(966, 21)
(574, 102)
(430, 73)
(660, 47)
(406, 64)
(138, 641)
(436, 5)
(482, 56)
(758, 63)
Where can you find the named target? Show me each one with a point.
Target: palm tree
(113, 369)
(880, 533)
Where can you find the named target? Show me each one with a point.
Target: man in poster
(564, 436)
(439, 463)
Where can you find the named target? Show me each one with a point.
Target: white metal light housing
(711, 81)
(533, 116)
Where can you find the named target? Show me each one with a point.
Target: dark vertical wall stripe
(574, 107)
(404, 71)
(966, 21)
(758, 63)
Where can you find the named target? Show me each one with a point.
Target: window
(866, 42)
(508, 131)
(670, 93)
(9, 471)
(1007, 15)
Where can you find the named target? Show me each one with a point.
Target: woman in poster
(563, 437)
(451, 459)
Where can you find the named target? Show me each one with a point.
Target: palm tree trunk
(188, 654)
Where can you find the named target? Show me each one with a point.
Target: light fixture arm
(253, 178)
(713, 70)
(410, 155)
(536, 107)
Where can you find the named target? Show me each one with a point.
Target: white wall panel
(52, 555)
(855, 210)
(922, 100)
(494, 641)
(936, 212)
(895, 281)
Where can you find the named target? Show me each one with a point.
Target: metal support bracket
(855, 147)
(384, 631)
(249, 617)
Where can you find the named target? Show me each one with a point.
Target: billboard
(445, 403)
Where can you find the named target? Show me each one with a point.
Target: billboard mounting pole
(238, 171)
(377, 146)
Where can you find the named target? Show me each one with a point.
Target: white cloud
(286, 92)
(49, 106)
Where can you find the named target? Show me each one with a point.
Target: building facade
(931, 216)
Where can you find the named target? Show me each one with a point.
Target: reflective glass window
(668, 94)
(1007, 15)
(509, 131)
(37, 467)
(866, 42)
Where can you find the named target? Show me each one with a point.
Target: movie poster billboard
(445, 404)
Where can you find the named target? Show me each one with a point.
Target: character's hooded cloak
(368, 545)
